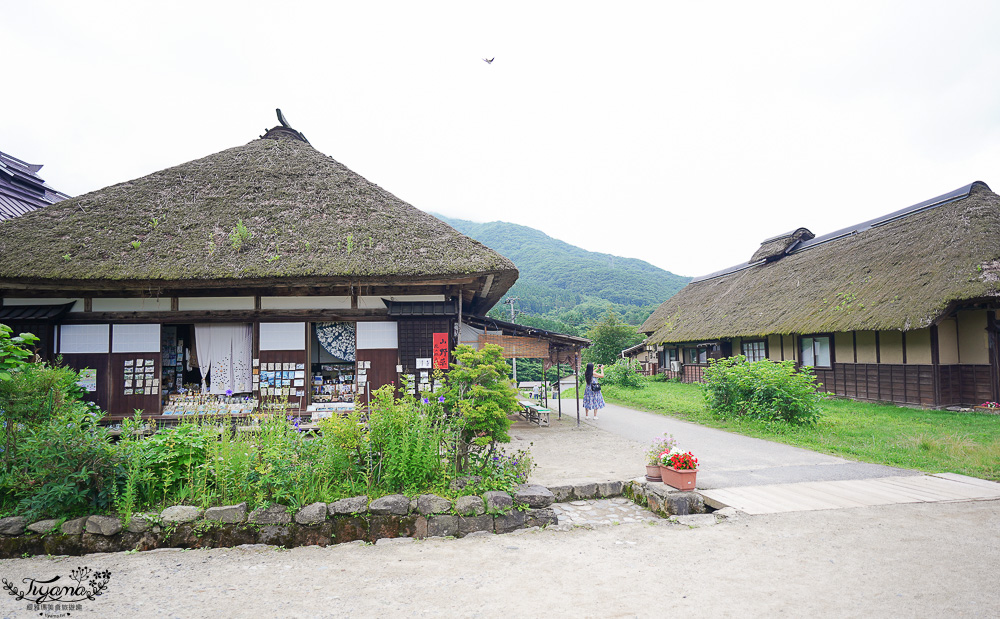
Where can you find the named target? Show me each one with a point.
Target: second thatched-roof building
(900, 308)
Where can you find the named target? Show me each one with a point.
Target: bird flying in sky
(488, 60)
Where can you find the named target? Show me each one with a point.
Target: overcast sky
(681, 133)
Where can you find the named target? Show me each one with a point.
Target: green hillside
(569, 284)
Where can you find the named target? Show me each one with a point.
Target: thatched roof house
(322, 267)
(309, 221)
(906, 278)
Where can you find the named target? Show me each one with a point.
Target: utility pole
(513, 314)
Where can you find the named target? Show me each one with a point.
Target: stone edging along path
(321, 524)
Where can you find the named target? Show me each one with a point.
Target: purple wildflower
(441, 398)
(426, 401)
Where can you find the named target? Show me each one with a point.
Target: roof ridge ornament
(284, 131)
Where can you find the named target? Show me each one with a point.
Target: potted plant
(660, 445)
(988, 407)
(679, 469)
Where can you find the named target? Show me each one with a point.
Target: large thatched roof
(897, 272)
(308, 218)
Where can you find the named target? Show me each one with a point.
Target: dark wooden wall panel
(290, 356)
(382, 370)
(416, 339)
(94, 361)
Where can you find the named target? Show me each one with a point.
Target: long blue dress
(592, 400)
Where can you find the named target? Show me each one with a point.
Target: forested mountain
(562, 283)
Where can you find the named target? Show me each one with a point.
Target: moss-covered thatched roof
(900, 272)
(306, 217)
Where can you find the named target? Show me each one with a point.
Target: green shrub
(63, 467)
(625, 373)
(763, 390)
(33, 394)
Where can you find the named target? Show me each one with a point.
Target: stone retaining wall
(321, 524)
(318, 524)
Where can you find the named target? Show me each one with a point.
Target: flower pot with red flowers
(661, 445)
(679, 469)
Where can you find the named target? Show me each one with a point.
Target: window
(815, 351)
(697, 355)
(755, 350)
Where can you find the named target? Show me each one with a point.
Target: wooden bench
(533, 413)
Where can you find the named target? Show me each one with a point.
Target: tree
(610, 337)
(478, 387)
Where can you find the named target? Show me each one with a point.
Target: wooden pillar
(559, 386)
(576, 376)
(935, 365)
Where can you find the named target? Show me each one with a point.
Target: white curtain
(225, 350)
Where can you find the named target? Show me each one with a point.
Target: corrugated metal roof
(21, 189)
(34, 312)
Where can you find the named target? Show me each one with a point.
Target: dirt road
(902, 560)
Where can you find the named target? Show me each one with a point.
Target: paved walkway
(752, 475)
(729, 460)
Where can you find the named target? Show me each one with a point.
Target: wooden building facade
(901, 308)
(267, 271)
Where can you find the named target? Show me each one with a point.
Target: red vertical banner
(440, 351)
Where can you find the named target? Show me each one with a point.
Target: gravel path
(900, 560)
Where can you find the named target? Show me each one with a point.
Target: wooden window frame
(830, 346)
(743, 344)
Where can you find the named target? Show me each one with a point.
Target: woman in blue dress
(592, 398)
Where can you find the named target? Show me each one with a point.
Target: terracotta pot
(680, 479)
(653, 472)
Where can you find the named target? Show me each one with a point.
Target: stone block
(498, 502)
(386, 525)
(505, 523)
(314, 513)
(471, 524)
(13, 525)
(140, 523)
(276, 535)
(95, 542)
(393, 504)
(533, 496)
(227, 513)
(470, 506)
(274, 515)
(74, 527)
(179, 514)
(428, 504)
(352, 505)
(420, 527)
(314, 534)
(585, 491)
(541, 517)
(442, 526)
(562, 493)
(608, 489)
(349, 529)
(43, 526)
(104, 525)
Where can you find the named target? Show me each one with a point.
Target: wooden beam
(192, 316)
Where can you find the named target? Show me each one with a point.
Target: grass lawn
(928, 440)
